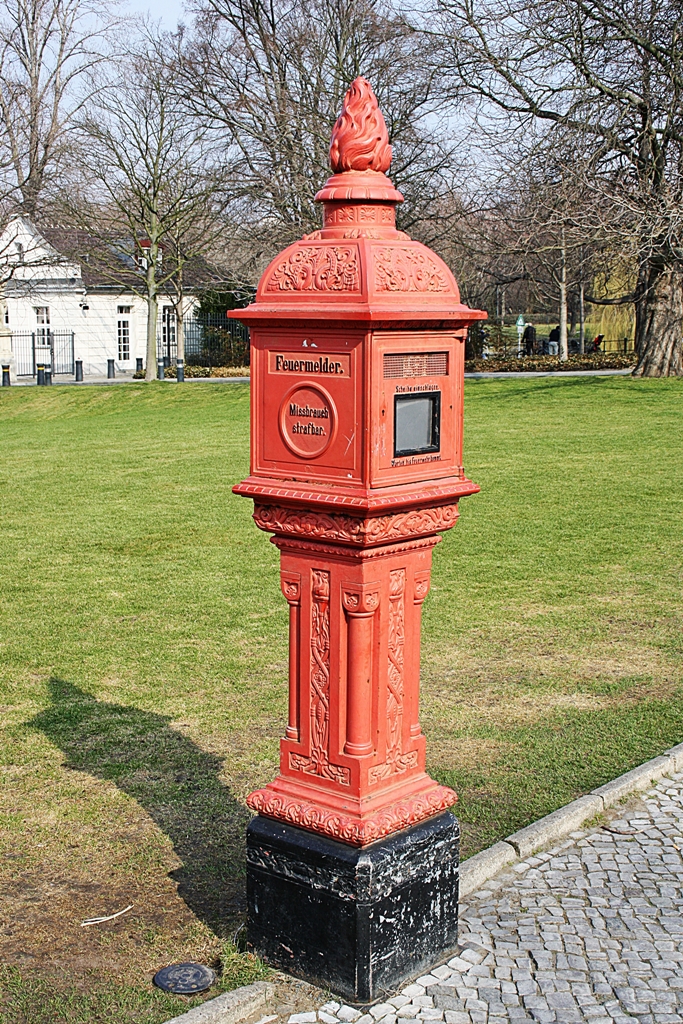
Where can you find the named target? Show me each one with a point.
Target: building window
(168, 333)
(123, 309)
(123, 333)
(19, 246)
(42, 325)
(7, 314)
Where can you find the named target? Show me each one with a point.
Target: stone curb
(229, 1008)
(635, 781)
(676, 755)
(555, 826)
(484, 866)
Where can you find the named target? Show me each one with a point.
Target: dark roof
(109, 263)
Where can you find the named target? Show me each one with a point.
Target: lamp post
(357, 372)
(520, 332)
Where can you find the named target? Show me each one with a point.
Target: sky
(169, 12)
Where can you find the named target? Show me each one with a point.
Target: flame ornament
(360, 140)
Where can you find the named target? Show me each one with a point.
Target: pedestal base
(356, 920)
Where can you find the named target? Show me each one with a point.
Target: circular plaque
(308, 420)
(184, 979)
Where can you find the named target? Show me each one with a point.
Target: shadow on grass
(174, 780)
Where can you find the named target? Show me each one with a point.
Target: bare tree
(550, 228)
(149, 194)
(269, 78)
(523, 240)
(46, 47)
(611, 73)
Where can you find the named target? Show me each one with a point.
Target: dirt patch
(44, 903)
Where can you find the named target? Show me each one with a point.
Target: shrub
(209, 371)
(590, 361)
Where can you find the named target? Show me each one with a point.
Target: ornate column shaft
(290, 583)
(360, 605)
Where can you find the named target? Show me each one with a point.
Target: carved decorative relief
(403, 269)
(341, 884)
(397, 586)
(355, 214)
(290, 584)
(318, 762)
(361, 601)
(341, 826)
(317, 547)
(345, 215)
(397, 636)
(354, 530)
(300, 763)
(396, 761)
(411, 524)
(401, 764)
(319, 268)
(421, 586)
(362, 233)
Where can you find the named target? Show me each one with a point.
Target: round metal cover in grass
(185, 979)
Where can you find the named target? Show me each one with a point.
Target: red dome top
(359, 266)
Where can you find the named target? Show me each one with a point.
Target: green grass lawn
(143, 655)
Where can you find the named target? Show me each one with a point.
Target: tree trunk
(564, 348)
(152, 313)
(180, 333)
(659, 322)
(179, 310)
(582, 320)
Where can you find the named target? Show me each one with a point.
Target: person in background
(597, 342)
(529, 339)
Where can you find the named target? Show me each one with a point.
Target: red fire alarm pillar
(357, 366)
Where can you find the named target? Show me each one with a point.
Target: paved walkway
(589, 931)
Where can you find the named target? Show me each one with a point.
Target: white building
(60, 308)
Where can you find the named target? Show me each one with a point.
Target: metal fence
(209, 341)
(505, 341)
(33, 347)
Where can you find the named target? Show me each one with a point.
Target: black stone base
(358, 921)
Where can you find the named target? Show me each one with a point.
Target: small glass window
(42, 324)
(124, 340)
(417, 423)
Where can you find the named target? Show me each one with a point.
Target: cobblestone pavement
(589, 931)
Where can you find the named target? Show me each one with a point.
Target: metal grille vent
(416, 364)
